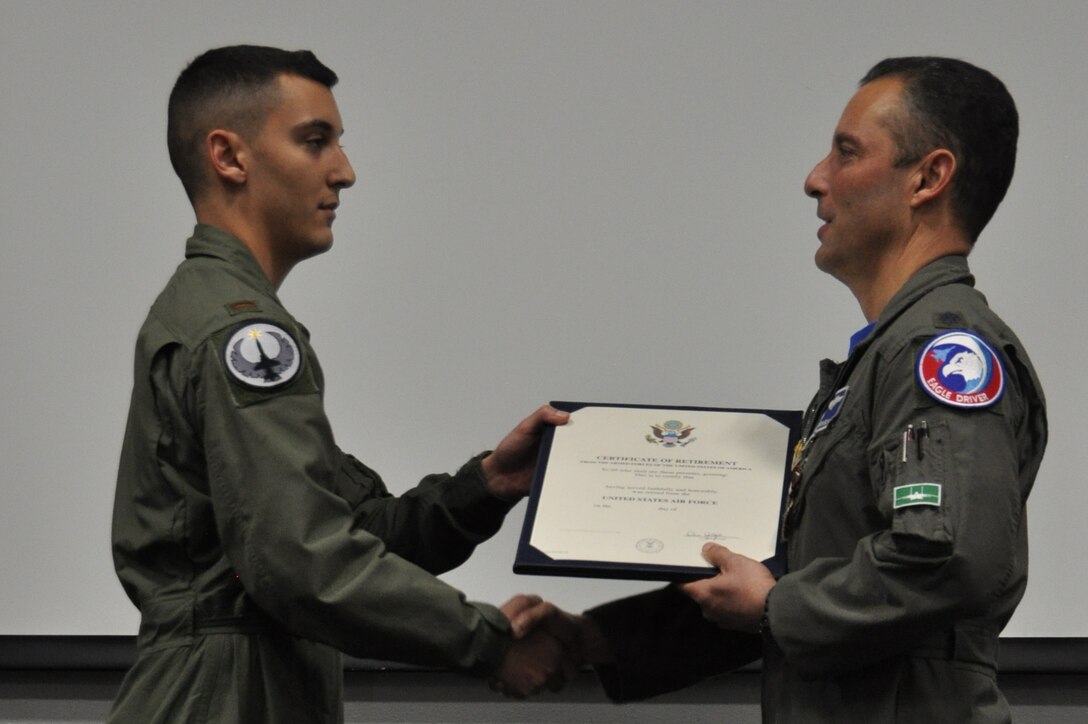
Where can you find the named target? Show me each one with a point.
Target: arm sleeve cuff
(660, 642)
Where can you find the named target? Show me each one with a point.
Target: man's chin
(316, 247)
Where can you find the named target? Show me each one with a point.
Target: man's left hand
(734, 598)
(509, 469)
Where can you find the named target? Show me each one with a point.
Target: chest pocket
(835, 485)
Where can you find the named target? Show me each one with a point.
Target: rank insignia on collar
(960, 369)
(261, 355)
(245, 305)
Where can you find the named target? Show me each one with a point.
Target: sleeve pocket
(916, 494)
(356, 483)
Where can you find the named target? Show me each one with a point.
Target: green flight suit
(887, 613)
(255, 549)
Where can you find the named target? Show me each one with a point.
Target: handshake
(549, 647)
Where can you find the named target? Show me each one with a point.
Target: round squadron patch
(261, 355)
(960, 369)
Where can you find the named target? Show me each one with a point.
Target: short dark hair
(232, 87)
(952, 104)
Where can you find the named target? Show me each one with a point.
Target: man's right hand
(535, 660)
(580, 635)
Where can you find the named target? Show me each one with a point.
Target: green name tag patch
(917, 494)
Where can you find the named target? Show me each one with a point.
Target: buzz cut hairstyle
(951, 104)
(235, 88)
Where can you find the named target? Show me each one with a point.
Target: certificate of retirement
(634, 491)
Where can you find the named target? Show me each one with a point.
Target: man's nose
(815, 185)
(343, 175)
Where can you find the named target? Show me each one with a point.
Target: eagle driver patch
(960, 369)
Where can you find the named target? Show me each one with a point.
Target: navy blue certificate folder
(664, 447)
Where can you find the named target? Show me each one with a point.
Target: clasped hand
(550, 646)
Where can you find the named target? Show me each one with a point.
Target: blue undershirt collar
(859, 335)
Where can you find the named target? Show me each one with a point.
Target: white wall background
(564, 200)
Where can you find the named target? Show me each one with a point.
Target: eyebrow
(843, 137)
(316, 124)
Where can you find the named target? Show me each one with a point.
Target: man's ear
(227, 155)
(933, 176)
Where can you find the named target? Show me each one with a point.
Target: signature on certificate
(708, 536)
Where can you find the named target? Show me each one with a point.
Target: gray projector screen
(570, 200)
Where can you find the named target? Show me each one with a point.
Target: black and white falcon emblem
(262, 355)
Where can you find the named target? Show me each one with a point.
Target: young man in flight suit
(905, 528)
(255, 549)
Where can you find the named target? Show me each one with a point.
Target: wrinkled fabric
(257, 550)
(884, 614)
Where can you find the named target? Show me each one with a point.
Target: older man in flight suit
(905, 527)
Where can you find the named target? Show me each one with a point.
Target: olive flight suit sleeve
(927, 567)
(436, 524)
(298, 523)
(661, 642)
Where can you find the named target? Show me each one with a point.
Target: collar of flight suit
(211, 241)
(938, 273)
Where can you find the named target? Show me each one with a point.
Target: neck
(253, 238)
(877, 288)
